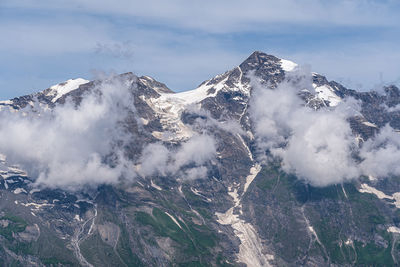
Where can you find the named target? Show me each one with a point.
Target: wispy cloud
(233, 16)
(186, 162)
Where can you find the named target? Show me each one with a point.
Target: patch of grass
(22, 248)
(194, 199)
(376, 219)
(167, 227)
(16, 225)
(203, 237)
(322, 193)
(269, 178)
(98, 253)
(124, 250)
(205, 213)
(163, 225)
(267, 184)
(366, 212)
(373, 255)
(328, 211)
(195, 240)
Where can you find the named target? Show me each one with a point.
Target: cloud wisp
(240, 17)
(187, 161)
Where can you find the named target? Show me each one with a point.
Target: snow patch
(369, 124)
(325, 92)
(348, 242)
(155, 186)
(58, 90)
(288, 65)
(195, 95)
(371, 190)
(246, 147)
(393, 229)
(250, 249)
(77, 217)
(381, 195)
(15, 171)
(249, 179)
(19, 191)
(173, 218)
(6, 102)
(36, 207)
(198, 193)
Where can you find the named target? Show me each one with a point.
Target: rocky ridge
(243, 213)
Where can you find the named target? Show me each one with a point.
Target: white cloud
(186, 161)
(154, 159)
(232, 16)
(73, 146)
(382, 154)
(70, 146)
(318, 145)
(195, 173)
(197, 150)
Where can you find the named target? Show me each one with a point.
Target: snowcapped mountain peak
(227, 88)
(205, 164)
(259, 59)
(58, 90)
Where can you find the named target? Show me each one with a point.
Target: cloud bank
(318, 145)
(70, 146)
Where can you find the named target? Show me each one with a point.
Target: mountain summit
(263, 165)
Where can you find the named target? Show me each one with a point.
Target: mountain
(185, 206)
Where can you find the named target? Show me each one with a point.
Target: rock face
(242, 213)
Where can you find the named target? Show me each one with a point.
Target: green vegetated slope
(136, 226)
(332, 225)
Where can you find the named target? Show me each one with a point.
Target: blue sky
(182, 43)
